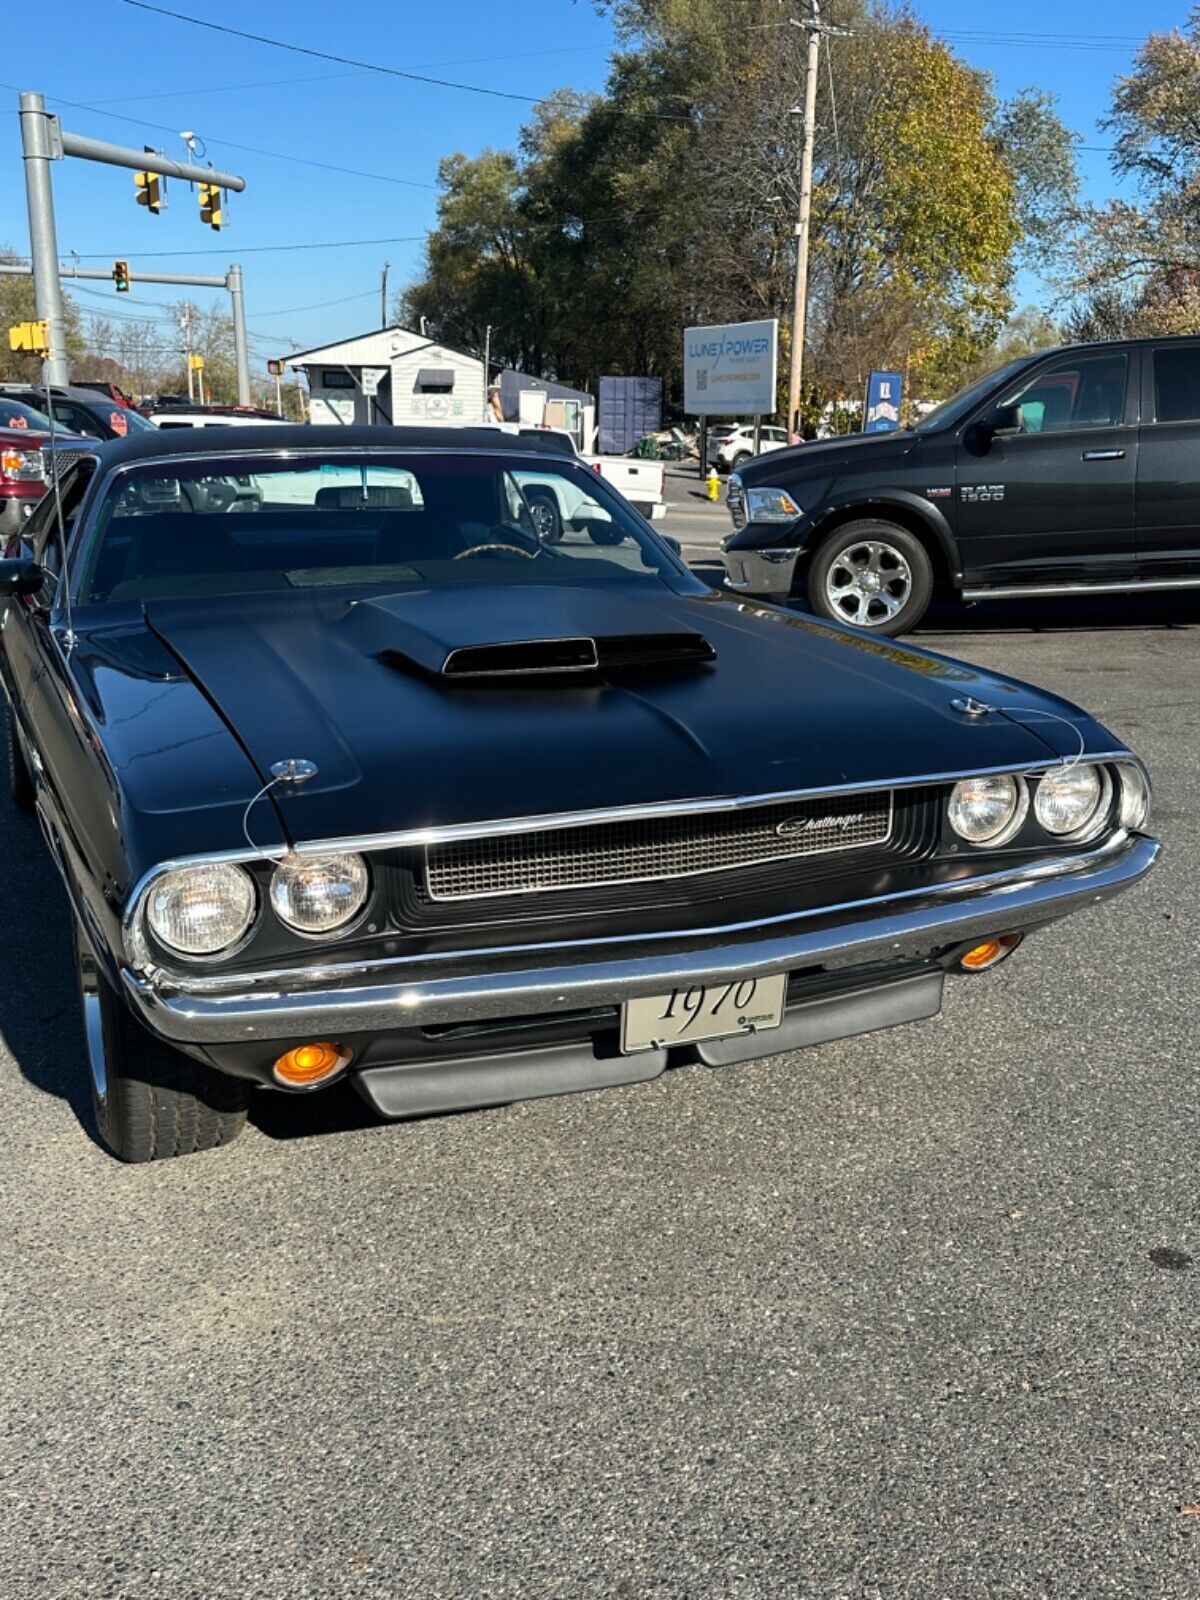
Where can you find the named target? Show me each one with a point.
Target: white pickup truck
(641, 482)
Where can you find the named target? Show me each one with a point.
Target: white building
(414, 379)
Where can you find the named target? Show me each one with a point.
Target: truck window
(1177, 384)
(1076, 392)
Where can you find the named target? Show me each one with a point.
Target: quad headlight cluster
(208, 910)
(1071, 803)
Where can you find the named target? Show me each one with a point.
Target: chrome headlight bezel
(769, 505)
(344, 869)
(1013, 821)
(1095, 820)
(242, 897)
(1135, 803)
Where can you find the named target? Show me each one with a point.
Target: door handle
(1104, 455)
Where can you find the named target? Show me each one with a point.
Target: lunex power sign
(730, 370)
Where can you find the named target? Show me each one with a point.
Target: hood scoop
(608, 653)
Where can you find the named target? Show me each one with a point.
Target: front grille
(736, 501)
(654, 848)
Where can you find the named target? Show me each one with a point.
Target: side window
(1076, 392)
(76, 419)
(1177, 384)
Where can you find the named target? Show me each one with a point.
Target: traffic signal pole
(44, 140)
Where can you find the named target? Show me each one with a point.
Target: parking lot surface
(909, 1315)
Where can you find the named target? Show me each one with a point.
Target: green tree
(1136, 264)
(17, 305)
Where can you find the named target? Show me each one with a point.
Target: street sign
(881, 409)
(729, 370)
(196, 363)
(372, 377)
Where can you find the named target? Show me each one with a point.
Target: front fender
(878, 502)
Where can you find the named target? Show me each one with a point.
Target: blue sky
(142, 78)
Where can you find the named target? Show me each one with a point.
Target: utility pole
(240, 351)
(383, 321)
(800, 294)
(185, 324)
(487, 367)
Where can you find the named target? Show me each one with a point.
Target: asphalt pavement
(911, 1315)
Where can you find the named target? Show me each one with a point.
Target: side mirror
(1005, 421)
(21, 576)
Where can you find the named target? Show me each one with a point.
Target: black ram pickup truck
(1072, 471)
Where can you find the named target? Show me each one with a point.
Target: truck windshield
(953, 410)
(206, 526)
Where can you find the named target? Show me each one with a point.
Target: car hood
(789, 703)
(826, 457)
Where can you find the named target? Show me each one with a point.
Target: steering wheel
(490, 549)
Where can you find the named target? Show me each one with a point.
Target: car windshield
(207, 526)
(953, 410)
(16, 414)
(126, 419)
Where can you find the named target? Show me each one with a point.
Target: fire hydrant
(712, 484)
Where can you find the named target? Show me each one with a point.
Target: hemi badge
(938, 494)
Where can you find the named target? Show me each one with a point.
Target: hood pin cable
(970, 707)
(293, 770)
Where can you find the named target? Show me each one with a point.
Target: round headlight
(986, 810)
(1069, 798)
(316, 894)
(200, 911)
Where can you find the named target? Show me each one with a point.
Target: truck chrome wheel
(868, 583)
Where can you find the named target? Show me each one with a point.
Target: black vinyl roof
(220, 442)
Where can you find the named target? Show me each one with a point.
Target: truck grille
(651, 848)
(735, 500)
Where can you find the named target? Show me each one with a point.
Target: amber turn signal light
(311, 1063)
(988, 953)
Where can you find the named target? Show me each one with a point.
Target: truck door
(1168, 483)
(1045, 477)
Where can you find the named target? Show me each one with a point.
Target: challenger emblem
(794, 825)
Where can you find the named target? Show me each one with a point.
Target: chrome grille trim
(651, 850)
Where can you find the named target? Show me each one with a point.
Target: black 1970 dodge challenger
(348, 772)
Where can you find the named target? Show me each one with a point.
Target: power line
(332, 77)
(257, 249)
(327, 55)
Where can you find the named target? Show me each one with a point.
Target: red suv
(24, 441)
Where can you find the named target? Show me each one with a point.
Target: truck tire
(547, 517)
(150, 1102)
(871, 575)
(20, 779)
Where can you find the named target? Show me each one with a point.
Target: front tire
(871, 575)
(150, 1102)
(20, 779)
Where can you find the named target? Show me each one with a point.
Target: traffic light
(121, 276)
(210, 205)
(149, 191)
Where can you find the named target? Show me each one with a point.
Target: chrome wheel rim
(544, 520)
(868, 583)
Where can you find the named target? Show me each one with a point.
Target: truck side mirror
(21, 575)
(1005, 421)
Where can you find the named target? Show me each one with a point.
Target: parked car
(1072, 472)
(379, 786)
(174, 416)
(639, 480)
(26, 454)
(737, 446)
(102, 386)
(80, 411)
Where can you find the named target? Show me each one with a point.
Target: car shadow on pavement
(1173, 609)
(40, 1019)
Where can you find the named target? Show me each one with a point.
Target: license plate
(705, 1011)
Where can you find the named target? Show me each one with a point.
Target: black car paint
(154, 727)
(1095, 504)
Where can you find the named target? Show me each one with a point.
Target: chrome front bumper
(536, 981)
